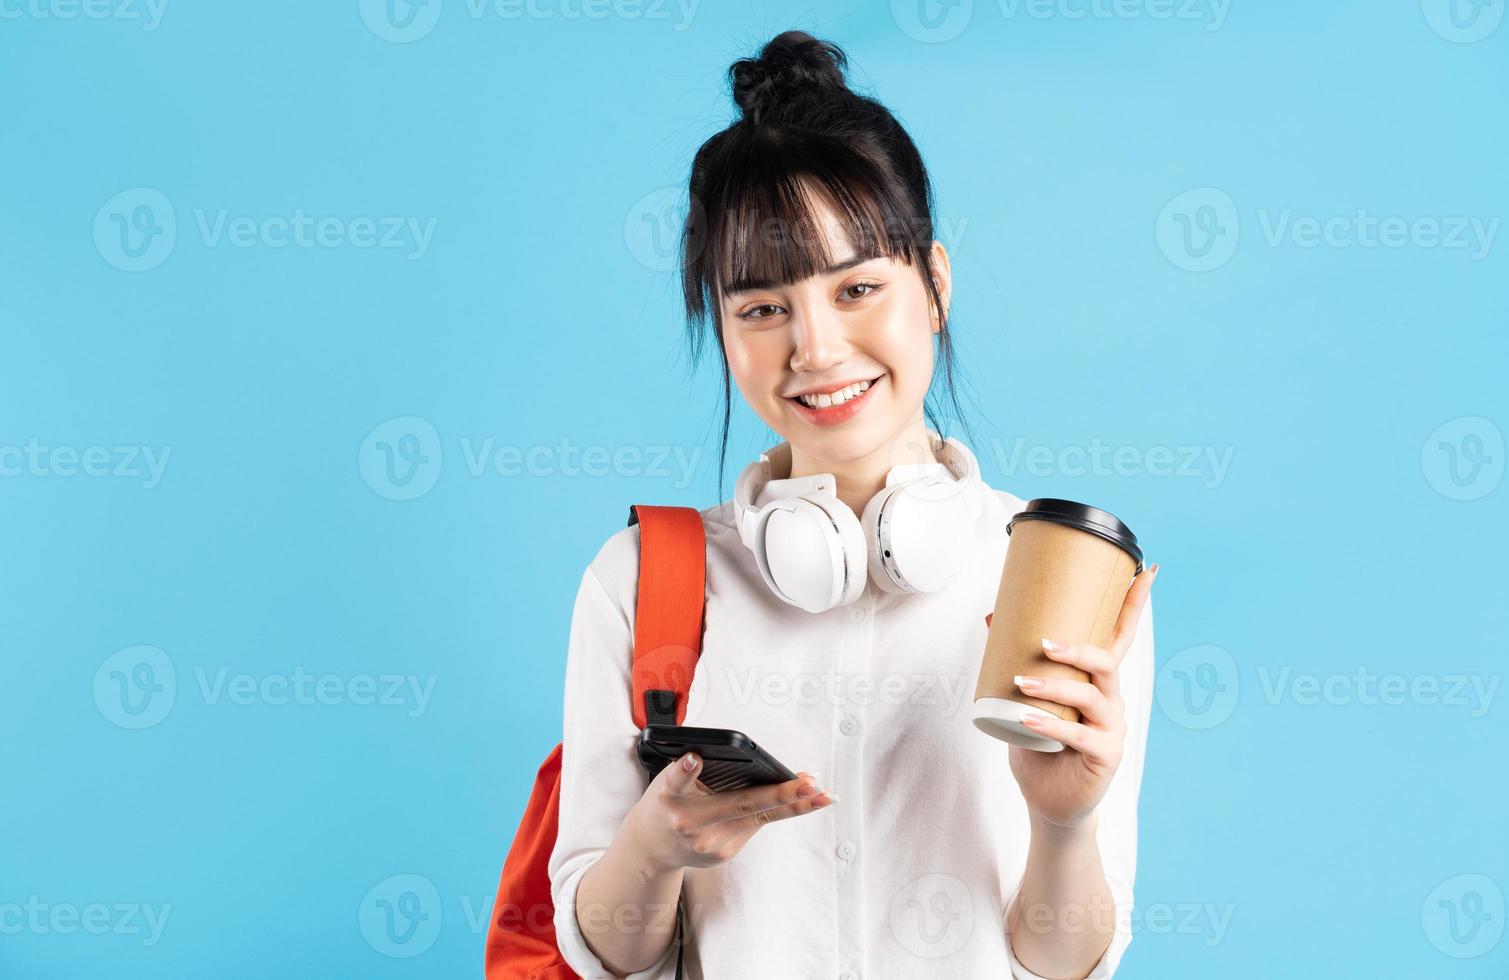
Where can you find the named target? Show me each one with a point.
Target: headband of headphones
(768, 479)
(813, 551)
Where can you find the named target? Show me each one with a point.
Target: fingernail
(832, 797)
(689, 762)
(1154, 569)
(1028, 683)
(1053, 646)
(1032, 718)
(807, 790)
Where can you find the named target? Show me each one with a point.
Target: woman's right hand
(679, 823)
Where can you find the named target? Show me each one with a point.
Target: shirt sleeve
(601, 777)
(1116, 831)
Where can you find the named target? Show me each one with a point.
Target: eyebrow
(745, 285)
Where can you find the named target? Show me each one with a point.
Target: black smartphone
(730, 759)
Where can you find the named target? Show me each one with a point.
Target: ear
(943, 277)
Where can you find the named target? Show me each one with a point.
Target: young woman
(924, 848)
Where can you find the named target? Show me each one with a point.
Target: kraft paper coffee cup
(1068, 569)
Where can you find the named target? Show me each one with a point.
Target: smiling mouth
(833, 399)
(824, 410)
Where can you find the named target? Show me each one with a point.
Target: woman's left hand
(1063, 788)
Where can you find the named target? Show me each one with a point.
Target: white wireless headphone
(813, 552)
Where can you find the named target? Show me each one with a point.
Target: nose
(818, 340)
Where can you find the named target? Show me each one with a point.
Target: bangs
(759, 225)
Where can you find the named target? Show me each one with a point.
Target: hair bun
(792, 67)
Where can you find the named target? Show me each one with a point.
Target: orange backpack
(521, 941)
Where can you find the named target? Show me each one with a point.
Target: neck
(860, 479)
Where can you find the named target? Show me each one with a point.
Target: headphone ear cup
(916, 539)
(876, 522)
(852, 541)
(810, 555)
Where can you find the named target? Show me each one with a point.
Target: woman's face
(839, 363)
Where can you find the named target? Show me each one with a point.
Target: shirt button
(845, 851)
(848, 975)
(848, 726)
(856, 616)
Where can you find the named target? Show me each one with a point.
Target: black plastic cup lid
(1100, 523)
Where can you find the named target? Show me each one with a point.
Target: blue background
(540, 311)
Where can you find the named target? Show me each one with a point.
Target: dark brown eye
(868, 287)
(753, 312)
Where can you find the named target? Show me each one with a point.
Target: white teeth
(835, 398)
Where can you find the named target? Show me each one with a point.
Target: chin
(846, 443)
(835, 447)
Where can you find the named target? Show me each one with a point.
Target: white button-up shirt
(909, 873)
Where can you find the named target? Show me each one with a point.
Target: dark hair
(749, 220)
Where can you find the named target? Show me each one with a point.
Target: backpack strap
(668, 610)
(668, 622)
